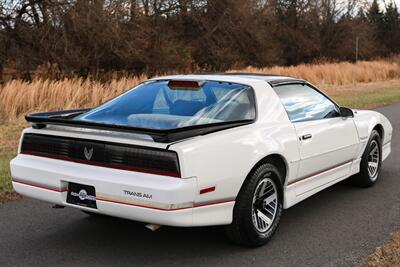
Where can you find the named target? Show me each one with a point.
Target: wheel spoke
(269, 212)
(269, 191)
(262, 189)
(263, 218)
(270, 199)
(373, 164)
(264, 205)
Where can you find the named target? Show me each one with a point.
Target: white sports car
(230, 149)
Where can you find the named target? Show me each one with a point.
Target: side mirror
(346, 112)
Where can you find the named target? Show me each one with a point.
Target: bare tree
(89, 37)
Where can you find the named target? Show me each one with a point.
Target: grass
(387, 255)
(366, 95)
(18, 98)
(5, 180)
(341, 73)
(9, 137)
(370, 100)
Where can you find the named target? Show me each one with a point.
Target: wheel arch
(367, 121)
(278, 160)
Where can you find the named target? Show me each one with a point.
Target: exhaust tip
(153, 227)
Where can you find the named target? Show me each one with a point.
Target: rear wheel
(258, 208)
(371, 161)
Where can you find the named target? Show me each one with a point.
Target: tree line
(88, 37)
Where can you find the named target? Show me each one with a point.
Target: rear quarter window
(303, 103)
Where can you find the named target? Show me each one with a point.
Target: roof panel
(258, 76)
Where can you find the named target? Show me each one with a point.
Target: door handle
(306, 136)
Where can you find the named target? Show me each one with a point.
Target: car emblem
(88, 153)
(82, 194)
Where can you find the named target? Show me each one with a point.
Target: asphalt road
(337, 227)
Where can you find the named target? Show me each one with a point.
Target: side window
(305, 103)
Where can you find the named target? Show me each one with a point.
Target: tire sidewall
(364, 164)
(246, 200)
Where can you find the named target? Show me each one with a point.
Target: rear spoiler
(64, 118)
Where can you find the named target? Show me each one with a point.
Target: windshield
(159, 105)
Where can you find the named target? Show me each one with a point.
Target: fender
(366, 121)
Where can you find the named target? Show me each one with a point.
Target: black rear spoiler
(64, 118)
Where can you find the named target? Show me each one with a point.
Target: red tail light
(189, 85)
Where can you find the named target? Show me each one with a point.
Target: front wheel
(258, 208)
(370, 164)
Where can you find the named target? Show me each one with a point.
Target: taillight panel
(105, 154)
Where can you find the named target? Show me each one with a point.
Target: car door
(327, 141)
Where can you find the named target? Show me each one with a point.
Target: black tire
(243, 230)
(364, 178)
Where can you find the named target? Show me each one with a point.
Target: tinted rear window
(155, 105)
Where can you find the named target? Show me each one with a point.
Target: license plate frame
(82, 195)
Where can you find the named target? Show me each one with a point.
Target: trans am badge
(138, 194)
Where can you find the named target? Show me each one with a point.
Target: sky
(381, 2)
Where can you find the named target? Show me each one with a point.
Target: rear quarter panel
(224, 159)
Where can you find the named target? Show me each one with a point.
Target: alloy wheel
(265, 203)
(373, 159)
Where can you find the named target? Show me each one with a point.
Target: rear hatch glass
(165, 105)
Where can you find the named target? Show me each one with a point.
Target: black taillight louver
(104, 154)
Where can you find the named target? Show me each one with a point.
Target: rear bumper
(169, 201)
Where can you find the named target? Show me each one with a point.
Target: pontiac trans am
(230, 149)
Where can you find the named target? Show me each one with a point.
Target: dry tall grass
(337, 73)
(18, 98)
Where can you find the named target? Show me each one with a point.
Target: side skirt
(298, 191)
